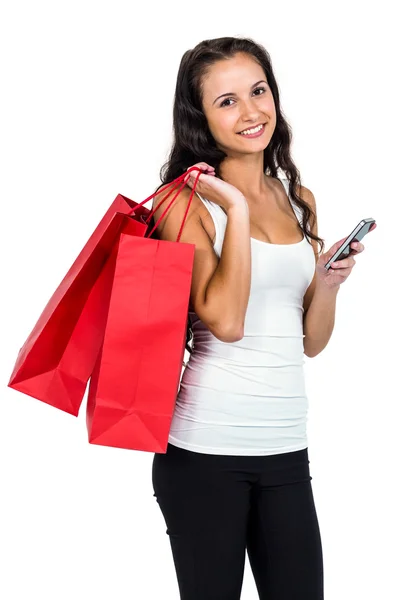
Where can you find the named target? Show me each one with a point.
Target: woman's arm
(319, 320)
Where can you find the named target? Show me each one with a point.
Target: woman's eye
(260, 88)
(257, 89)
(223, 103)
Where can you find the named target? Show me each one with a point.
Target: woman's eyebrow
(233, 93)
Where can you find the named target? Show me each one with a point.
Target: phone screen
(364, 226)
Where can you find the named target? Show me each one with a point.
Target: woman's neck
(246, 173)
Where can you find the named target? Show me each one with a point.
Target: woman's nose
(250, 112)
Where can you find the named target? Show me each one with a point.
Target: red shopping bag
(133, 388)
(59, 355)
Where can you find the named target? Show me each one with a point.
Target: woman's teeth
(251, 131)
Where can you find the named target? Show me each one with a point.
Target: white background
(86, 113)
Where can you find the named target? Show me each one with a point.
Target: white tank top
(248, 397)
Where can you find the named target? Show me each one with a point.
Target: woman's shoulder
(178, 206)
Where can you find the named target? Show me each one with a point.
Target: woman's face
(246, 102)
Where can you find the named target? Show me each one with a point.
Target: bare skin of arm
(220, 287)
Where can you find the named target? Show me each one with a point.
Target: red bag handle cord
(178, 182)
(175, 183)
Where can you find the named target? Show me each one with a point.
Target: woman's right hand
(213, 188)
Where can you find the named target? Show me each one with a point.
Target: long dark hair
(193, 141)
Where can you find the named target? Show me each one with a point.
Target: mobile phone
(364, 226)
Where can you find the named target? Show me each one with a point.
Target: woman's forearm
(319, 320)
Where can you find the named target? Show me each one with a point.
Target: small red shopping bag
(59, 355)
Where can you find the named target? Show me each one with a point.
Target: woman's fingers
(205, 170)
(203, 166)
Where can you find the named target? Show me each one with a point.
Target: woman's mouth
(253, 132)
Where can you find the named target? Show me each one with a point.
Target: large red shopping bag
(133, 389)
(59, 355)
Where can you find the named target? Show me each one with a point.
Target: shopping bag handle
(176, 183)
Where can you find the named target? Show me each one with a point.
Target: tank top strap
(211, 206)
(218, 216)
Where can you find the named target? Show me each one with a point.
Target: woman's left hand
(340, 270)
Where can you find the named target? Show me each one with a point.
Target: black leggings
(218, 506)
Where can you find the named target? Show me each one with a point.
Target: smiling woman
(224, 90)
(239, 426)
(246, 113)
